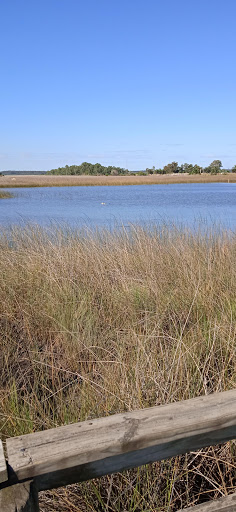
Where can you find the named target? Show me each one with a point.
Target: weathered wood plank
(94, 448)
(226, 504)
(19, 498)
(3, 467)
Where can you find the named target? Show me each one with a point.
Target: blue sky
(130, 83)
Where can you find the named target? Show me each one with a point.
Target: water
(109, 206)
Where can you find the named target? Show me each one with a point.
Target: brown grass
(5, 195)
(62, 181)
(98, 324)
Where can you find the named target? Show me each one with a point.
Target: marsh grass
(67, 181)
(92, 324)
(5, 195)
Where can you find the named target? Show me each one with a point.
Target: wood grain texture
(94, 448)
(227, 504)
(3, 467)
(19, 498)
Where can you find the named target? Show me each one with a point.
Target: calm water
(83, 206)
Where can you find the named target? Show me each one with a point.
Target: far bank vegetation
(172, 168)
(89, 180)
(88, 174)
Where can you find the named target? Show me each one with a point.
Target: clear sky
(133, 83)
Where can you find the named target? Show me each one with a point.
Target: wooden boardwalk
(91, 449)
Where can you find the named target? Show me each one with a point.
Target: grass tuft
(5, 195)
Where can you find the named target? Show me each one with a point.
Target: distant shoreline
(85, 180)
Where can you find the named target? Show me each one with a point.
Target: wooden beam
(226, 504)
(3, 467)
(90, 449)
(19, 498)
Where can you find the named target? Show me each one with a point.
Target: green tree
(216, 164)
(150, 171)
(186, 168)
(171, 168)
(196, 169)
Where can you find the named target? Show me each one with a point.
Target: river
(109, 206)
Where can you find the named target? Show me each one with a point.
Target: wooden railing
(91, 449)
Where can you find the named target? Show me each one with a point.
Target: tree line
(90, 169)
(172, 168)
(214, 168)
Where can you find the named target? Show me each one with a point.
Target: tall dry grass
(154, 179)
(94, 324)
